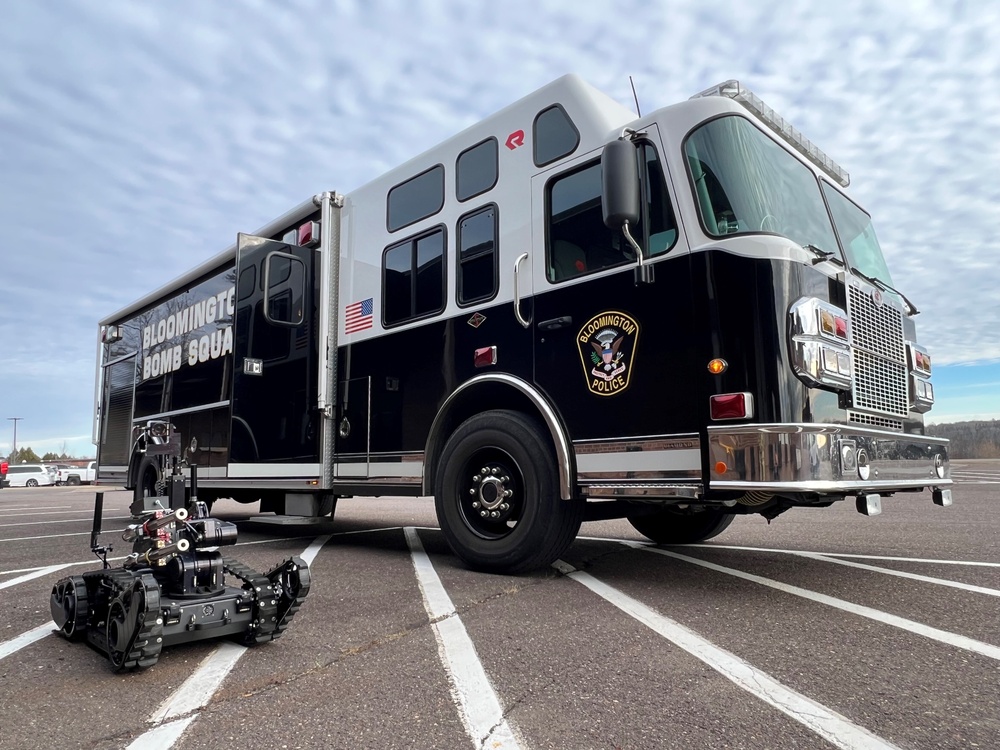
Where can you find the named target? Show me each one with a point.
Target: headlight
(819, 344)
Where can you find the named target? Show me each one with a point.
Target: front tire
(31, 483)
(669, 526)
(497, 495)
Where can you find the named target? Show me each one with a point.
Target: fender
(564, 454)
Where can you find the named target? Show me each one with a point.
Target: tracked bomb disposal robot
(172, 588)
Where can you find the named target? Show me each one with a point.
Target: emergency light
(733, 90)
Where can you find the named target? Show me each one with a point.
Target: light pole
(13, 452)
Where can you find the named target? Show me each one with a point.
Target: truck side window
(555, 135)
(413, 281)
(476, 170)
(579, 242)
(477, 256)
(415, 199)
(660, 227)
(285, 293)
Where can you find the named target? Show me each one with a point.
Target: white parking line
(36, 574)
(476, 701)
(846, 555)
(64, 520)
(902, 574)
(828, 724)
(942, 636)
(197, 690)
(25, 639)
(48, 536)
(162, 737)
(34, 510)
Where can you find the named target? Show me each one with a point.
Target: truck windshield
(745, 183)
(857, 236)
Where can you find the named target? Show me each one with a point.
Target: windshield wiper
(822, 254)
(887, 288)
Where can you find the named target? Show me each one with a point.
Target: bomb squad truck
(563, 313)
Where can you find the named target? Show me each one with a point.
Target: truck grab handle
(517, 294)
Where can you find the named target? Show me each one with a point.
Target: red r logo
(515, 139)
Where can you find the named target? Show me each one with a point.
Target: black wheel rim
(118, 635)
(69, 604)
(491, 493)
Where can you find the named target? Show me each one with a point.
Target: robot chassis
(168, 591)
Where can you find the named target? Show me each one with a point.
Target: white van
(28, 475)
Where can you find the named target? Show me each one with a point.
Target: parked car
(53, 473)
(3, 473)
(28, 475)
(59, 469)
(79, 474)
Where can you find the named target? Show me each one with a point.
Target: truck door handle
(517, 294)
(554, 323)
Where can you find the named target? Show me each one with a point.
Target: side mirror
(619, 185)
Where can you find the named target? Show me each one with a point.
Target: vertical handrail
(517, 293)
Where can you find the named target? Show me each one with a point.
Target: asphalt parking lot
(823, 629)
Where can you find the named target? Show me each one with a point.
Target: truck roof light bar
(733, 90)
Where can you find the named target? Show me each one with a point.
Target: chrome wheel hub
(490, 493)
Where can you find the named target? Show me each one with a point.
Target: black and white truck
(563, 313)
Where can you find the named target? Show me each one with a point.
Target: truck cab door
(605, 340)
(274, 414)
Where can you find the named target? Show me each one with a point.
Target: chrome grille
(879, 351)
(876, 328)
(869, 419)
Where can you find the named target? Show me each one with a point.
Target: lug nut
(483, 513)
(475, 504)
(472, 490)
(508, 493)
(494, 514)
(484, 470)
(505, 479)
(504, 506)
(476, 478)
(493, 472)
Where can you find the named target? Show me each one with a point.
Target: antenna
(635, 96)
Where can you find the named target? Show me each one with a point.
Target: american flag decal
(359, 316)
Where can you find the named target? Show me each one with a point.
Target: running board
(645, 490)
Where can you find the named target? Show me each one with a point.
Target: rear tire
(73, 480)
(669, 526)
(497, 495)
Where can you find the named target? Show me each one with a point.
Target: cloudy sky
(137, 138)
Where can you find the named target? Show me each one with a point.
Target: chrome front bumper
(827, 459)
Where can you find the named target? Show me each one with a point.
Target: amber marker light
(720, 467)
(718, 366)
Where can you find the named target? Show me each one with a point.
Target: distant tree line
(970, 439)
(28, 456)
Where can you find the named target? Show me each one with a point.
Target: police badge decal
(607, 345)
